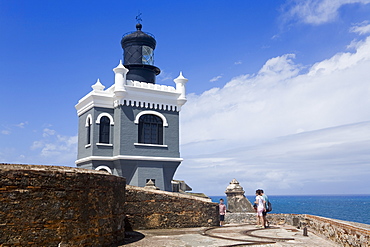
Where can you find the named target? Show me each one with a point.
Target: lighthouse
(131, 128)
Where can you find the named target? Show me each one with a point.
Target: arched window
(88, 134)
(104, 168)
(88, 129)
(104, 130)
(150, 129)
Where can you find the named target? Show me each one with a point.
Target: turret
(236, 200)
(180, 88)
(138, 52)
(119, 81)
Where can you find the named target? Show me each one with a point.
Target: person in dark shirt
(264, 213)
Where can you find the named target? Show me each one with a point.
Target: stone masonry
(344, 233)
(60, 206)
(149, 209)
(236, 200)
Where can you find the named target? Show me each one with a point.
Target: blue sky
(278, 91)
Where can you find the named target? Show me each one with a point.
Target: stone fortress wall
(149, 209)
(344, 233)
(60, 206)
(65, 206)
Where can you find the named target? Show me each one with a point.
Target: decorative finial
(181, 78)
(98, 86)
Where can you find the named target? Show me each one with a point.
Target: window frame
(104, 130)
(150, 130)
(164, 122)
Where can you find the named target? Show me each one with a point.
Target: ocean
(354, 208)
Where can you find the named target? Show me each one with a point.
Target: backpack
(269, 207)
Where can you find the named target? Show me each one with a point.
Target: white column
(98, 86)
(120, 76)
(180, 88)
(120, 81)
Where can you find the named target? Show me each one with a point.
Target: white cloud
(55, 149)
(343, 61)
(317, 11)
(361, 28)
(231, 131)
(48, 132)
(36, 145)
(164, 76)
(238, 62)
(6, 132)
(216, 78)
(22, 125)
(276, 36)
(299, 163)
(59, 147)
(8, 129)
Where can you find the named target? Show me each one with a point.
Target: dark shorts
(264, 213)
(222, 217)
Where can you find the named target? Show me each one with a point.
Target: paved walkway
(229, 235)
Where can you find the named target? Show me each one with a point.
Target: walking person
(222, 209)
(260, 209)
(264, 213)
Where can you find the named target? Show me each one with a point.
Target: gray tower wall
(137, 172)
(126, 145)
(123, 136)
(124, 133)
(84, 151)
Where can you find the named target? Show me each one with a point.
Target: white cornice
(94, 99)
(127, 157)
(140, 94)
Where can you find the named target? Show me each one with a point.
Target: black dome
(139, 38)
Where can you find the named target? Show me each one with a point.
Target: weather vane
(138, 18)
